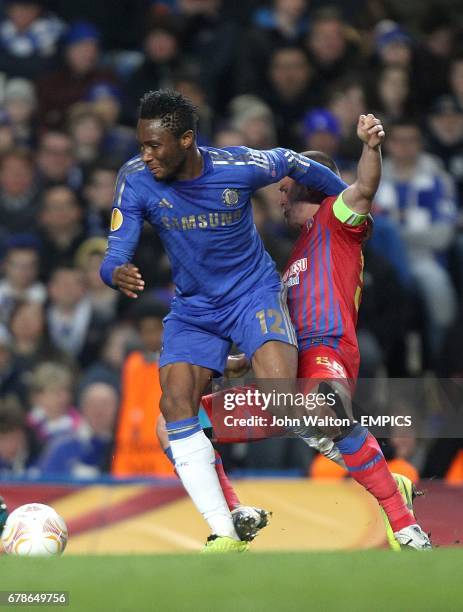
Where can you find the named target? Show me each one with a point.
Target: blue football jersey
(206, 224)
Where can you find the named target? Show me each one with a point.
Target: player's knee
(176, 405)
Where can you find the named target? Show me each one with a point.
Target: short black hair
(177, 113)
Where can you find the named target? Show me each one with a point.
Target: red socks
(228, 491)
(366, 464)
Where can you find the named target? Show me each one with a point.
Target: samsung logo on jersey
(203, 221)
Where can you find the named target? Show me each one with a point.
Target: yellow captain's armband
(345, 214)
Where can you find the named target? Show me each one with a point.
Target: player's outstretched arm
(359, 196)
(271, 166)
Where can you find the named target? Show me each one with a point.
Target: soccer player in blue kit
(227, 287)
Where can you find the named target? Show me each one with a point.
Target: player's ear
(187, 139)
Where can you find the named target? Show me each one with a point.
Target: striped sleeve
(277, 163)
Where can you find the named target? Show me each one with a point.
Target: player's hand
(370, 131)
(127, 278)
(237, 366)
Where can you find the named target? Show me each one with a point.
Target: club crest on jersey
(291, 276)
(231, 197)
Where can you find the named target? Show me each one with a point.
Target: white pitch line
(304, 513)
(173, 537)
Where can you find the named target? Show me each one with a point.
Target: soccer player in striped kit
(324, 278)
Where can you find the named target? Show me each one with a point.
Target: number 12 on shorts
(274, 318)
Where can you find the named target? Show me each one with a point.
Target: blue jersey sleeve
(126, 225)
(271, 166)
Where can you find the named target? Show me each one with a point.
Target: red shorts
(317, 363)
(323, 362)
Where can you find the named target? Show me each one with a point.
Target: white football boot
(413, 537)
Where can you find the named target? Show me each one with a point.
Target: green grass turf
(374, 580)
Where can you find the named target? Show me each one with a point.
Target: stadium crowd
(290, 73)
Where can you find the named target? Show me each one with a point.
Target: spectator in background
(61, 228)
(438, 31)
(85, 451)
(254, 121)
(88, 259)
(51, 413)
(285, 20)
(7, 136)
(393, 45)
(383, 318)
(29, 38)
(98, 195)
(10, 379)
(75, 327)
(59, 90)
(119, 142)
(15, 445)
(456, 79)
(208, 41)
(332, 47)
(107, 368)
(445, 139)
(56, 161)
(136, 450)
(291, 91)
(391, 96)
(283, 23)
(21, 272)
(322, 132)
(87, 131)
(161, 47)
(19, 106)
(278, 246)
(190, 86)
(346, 101)
(30, 340)
(19, 192)
(419, 195)
(228, 136)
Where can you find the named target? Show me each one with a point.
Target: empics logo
(116, 219)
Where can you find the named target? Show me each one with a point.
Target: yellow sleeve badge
(116, 219)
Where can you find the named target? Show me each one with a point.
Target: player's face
(162, 152)
(295, 210)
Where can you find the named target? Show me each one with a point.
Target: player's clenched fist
(128, 279)
(370, 130)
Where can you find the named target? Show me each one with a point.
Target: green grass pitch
(370, 581)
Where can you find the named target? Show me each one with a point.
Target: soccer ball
(34, 529)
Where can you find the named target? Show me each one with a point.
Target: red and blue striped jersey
(324, 279)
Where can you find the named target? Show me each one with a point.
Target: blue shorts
(249, 322)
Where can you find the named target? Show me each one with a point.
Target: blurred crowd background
(77, 360)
